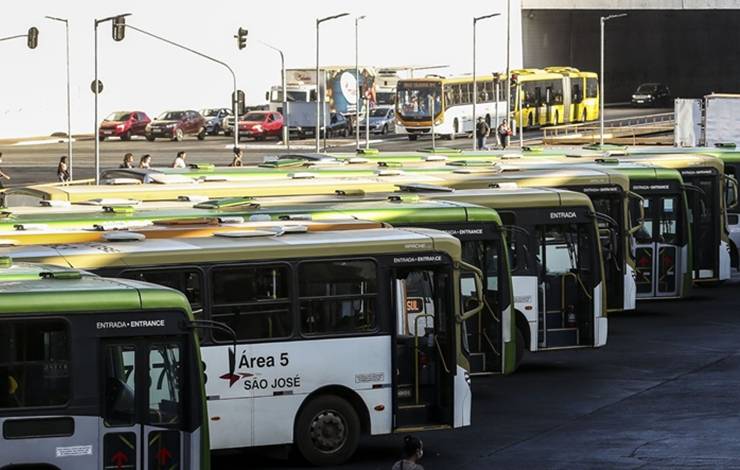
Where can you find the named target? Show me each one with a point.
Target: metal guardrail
(620, 128)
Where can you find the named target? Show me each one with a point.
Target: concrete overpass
(690, 45)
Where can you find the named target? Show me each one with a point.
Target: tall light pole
(604, 19)
(69, 106)
(318, 85)
(508, 64)
(475, 80)
(96, 89)
(357, 82)
(283, 85)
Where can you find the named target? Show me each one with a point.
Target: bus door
(658, 251)
(567, 269)
(702, 192)
(424, 348)
(145, 407)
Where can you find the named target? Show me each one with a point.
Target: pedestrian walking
(482, 129)
(63, 170)
(237, 160)
(180, 160)
(412, 451)
(128, 161)
(503, 132)
(146, 161)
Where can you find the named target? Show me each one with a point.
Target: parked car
(216, 120)
(261, 124)
(382, 121)
(176, 125)
(124, 124)
(651, 94)
(338, 126)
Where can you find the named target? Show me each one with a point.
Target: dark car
(261, 124)
(124, 124)
(216, 120)
(338, 126)
(175, 125)
(651, 94)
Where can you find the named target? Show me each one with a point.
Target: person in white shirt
(180, 160)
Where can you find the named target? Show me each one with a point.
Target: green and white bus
(97, 373)
(384, 304)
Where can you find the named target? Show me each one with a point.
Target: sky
(140, 73)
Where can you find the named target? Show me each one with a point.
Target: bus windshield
(415, 99)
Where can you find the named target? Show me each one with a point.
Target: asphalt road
(34, 162)
(662, 394)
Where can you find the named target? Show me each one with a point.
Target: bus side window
(254, 300)
(187, 281)
(592, 88)
(337, 296)
(34, 363)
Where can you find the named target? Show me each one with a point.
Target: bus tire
(413, 137)
(530, 121)
(327, 431)
(455, 130)
(557, 118)
(585, 116)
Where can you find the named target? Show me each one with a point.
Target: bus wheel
(327, 431)
(413, 137)
(585, 116)
(530, 121)
(455, 130)
(557, 118)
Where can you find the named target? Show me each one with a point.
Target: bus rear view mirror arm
(478, 276)
(215, 325)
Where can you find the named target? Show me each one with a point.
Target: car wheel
(413, 137)
(385, 129)
(150, 138)
(178, 135)
(202, 134)
(102, 138)
(126, 136)
(228, 132)
(327, 431)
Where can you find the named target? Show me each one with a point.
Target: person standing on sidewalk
(63, 170)
(503, 132)
(481, 131)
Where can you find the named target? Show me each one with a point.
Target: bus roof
(544, 175)
(231, 249)
(54, 290)
(32, 195)
(524, 198)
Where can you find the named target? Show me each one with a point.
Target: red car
(261, 124)
(175, 125)
(124, 124)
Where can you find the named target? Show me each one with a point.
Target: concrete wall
(693, 52)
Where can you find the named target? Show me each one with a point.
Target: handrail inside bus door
(609, 221)
(416, 353)
(478, 277)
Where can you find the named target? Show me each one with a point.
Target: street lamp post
(475, 80)
(286, 113)
(604, 19)
(508, 64)
(357, 82)
(96, 90)
(69, 111)
(318, 86)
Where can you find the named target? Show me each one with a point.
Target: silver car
(382, 121)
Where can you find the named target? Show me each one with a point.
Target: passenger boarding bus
(452, 100)
(555, 95)
(490, 336)
(383, 304)
(97, 373)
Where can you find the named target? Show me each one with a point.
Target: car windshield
(647, 88)
(118, 116)
(171, 116)
(254, 117)
(210, 112)
(381, 113)
(414, 99)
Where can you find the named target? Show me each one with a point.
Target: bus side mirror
(731, 192)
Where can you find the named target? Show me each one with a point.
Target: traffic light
(33, 37)
(241, 38)
(119, 28)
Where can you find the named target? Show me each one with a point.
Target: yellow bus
(555, 95)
